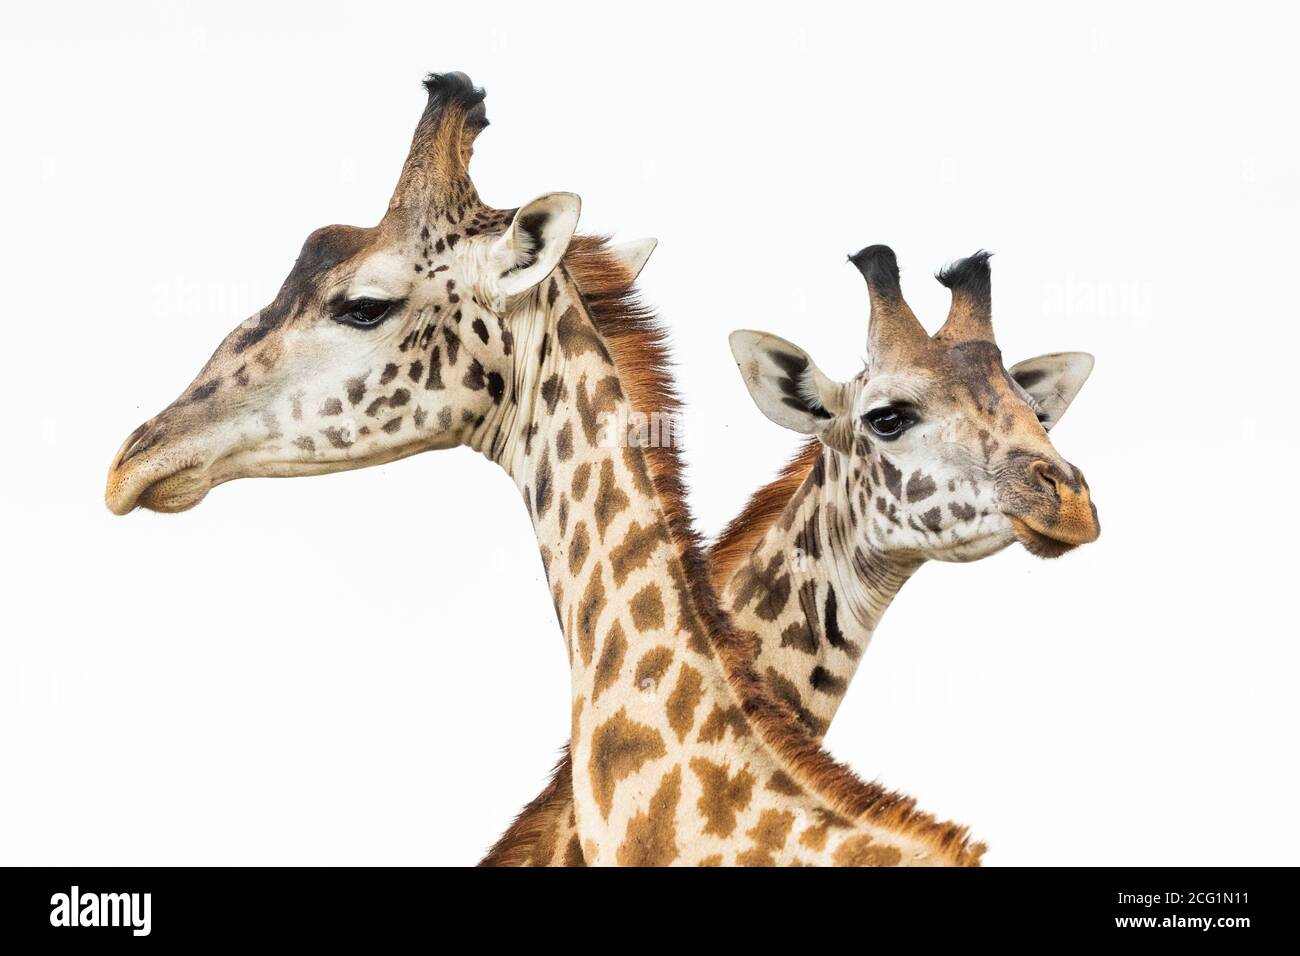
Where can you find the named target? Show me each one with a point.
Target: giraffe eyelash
(365, 312)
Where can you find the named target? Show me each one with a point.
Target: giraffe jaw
(155, 489)
(975, 548)
(180, 491)
(1037, 543)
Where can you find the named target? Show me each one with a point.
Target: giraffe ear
(534, 244)
(634, 255)
(1053, 381)
(786, 385)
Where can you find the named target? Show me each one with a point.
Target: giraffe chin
(1037, 543)
(178, 492)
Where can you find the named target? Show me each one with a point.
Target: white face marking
(385, 275)
(894, 388)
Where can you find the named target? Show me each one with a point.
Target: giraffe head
(382, 342)
(943, 452)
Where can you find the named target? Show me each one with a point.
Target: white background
(366, 668)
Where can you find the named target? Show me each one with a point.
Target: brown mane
(639, 346)
(744, 532)
(523, 843)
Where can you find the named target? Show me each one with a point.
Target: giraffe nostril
(142, 439)
(1047, 476)
(128, 446)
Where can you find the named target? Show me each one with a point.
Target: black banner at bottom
(132, 907)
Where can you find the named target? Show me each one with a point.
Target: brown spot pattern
(652, 666)
(769, 585)
(636, 466)
(814, 838)
(577, 336)
(782, 782)
(720, 718)
(573, 853)
(688, 617)
(589, 608)
(647, 608)
(564, 443)
(635, 551)
(581, 478)
(683, 701)
(651, 838)
(799, 636)
(610, 499)
(919, 487)
(785, 689)
(861, 851)
(593, 407)
(619, 748)
(610, 662)
(579, 548)
(769, 836)
(724, 796)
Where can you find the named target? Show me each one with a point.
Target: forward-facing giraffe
(452, 323)
(933, 453)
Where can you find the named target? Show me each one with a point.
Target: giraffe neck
(632, 630)
(814, 594)
(678, 754)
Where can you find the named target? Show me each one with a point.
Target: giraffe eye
(364, 313)
(889, 421)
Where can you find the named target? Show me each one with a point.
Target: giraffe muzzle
(150, 472)
(1050, 508)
